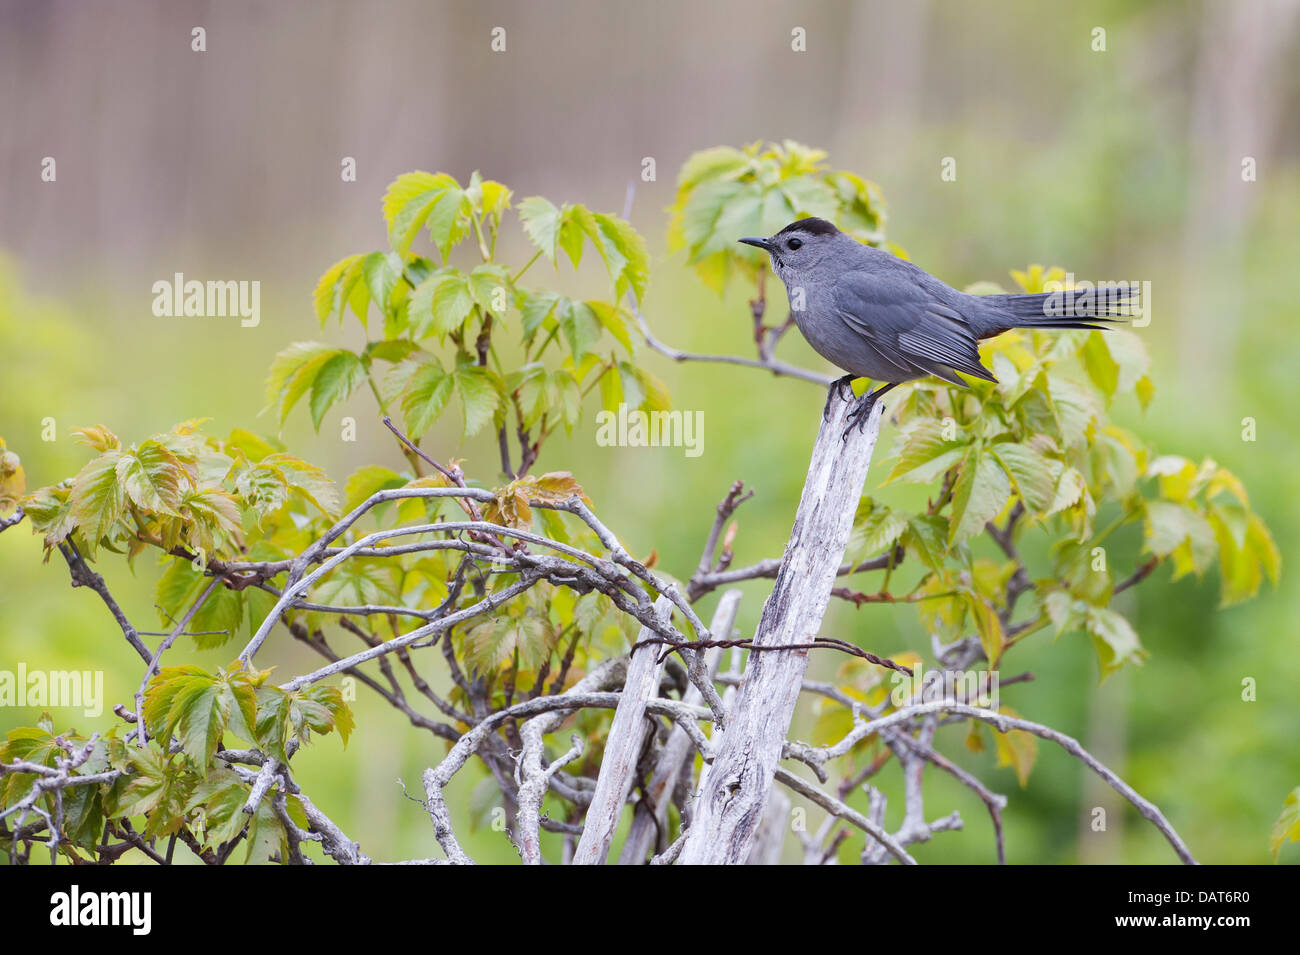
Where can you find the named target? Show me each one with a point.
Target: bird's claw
(837, 388)
(860, 414)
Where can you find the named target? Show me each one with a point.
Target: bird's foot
(837, 388)
(859, 415)
(861, 411)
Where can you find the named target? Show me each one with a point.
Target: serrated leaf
(580, 327)
(266, 838)
(479, 393)
(536, 308)
(335, 380)
(979, 494)
(98, 499)
(541, 221)
(421, 198)
(382, 272)
(925, 453)
(875, 529)
(487, 284)
(440, 304)
(293, 372)
(1031, 473)
(98, 437)
(423, 389)
(1114, 639)
(153, 477)
(307, 480)
(331, 291)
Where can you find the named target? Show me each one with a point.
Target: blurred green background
(1122, 163)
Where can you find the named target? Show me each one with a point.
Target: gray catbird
(877, 316)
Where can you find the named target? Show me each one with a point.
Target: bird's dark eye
(794, 244)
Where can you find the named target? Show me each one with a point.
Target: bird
(877, 316)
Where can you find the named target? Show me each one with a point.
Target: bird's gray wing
(907, 325)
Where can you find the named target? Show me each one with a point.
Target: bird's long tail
(1068, 308)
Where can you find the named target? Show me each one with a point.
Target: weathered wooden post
(734, 789)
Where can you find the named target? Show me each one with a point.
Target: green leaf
(493, 198)
(1146, 391)
(655, 391)
(222, 796)
(212, 517)
(417, 198)
(98, 437)
(293, 372)
(335, 380)
(807, 196)
(393, 350)
(1070, 489)
(366, 481)
(580, 327)
(158, 790)
(358, 581)
(1114, 640)
(1242, 566)
(489, 283)
(1032, 474)
(493, 643)
(1168, 524)
(1075, 408)
(1017, 749)
(1063, 611)
(875, 529)
(624, 253)
(1287, 827)
(576, 224)
(203, 712)
(306, 480)
(321, 709)
(216, 622)
(266, 838)
(98, 499)
(925, 453)
(536, 308)
(440, 304)
(717, 162)
(152, 477)
(423, 389)
(382, 272)
(927, 537)
(480, 394)
(50, 512)
(980, 493)
(272, 723)
(1129, 355)
(988, 626)
(614, 320)
(541, 221)
(332, 291)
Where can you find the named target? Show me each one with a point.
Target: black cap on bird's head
(798, 234)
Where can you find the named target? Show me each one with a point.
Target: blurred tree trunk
(1237, 101)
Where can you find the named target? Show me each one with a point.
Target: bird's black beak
(764, 244)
